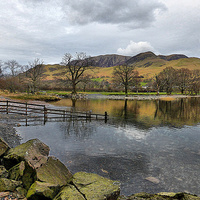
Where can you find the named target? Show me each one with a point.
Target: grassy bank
(25, 96)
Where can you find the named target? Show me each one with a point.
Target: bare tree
(75, 68)
(12, 69)
(34, 73)
(124, 75)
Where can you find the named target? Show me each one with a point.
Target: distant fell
(153, 57)
(109, 60)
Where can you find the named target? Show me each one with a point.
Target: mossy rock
(23, 172)
(3, 172)
(33, 152)
(69, 192)
(54, 172)
(160, 196)
(40, 190)
(8, 185)
(4, 147)
(95, 187)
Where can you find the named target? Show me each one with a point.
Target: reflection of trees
(76, 127)
(179, 112)
(129, 113)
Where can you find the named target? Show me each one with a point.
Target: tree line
(74, 76)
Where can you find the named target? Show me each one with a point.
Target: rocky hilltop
(109, 60)
(114, 60)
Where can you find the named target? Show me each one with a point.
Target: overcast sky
(47, 29)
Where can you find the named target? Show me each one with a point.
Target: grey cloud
(133, 13)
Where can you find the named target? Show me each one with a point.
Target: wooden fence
(36, 110)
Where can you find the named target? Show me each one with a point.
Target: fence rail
(29, 109)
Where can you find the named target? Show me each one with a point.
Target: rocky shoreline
(28, 172)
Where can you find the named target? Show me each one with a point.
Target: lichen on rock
(54, 172)
(34, 152)
(69, 192)
(94, 187)
(40, 190)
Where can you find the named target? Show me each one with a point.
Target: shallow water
(149, 146)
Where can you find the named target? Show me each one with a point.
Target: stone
(160, 196)
(153, 179)
(69, 192)
(4, 147)
(93, 186)
(34, 152)
(8, 185)
(23, 172)
(3, 172)
(54, 172)
(40, 190)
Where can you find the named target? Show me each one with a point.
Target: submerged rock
(93, 186)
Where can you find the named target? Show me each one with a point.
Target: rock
(160, 196)
(4, 147)
(54, 172)
(3, 172)
(153, 180)
(23, 172)
(21, 192)
(93, 186)
(40, 190)
(34, 152)
(69, 192)
(8, 185)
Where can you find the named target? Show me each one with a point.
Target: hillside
(109, 60)
(148, 64)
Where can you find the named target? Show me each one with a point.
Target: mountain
(109, 60)
(147, 64)
(151, 56)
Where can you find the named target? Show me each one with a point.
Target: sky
(47, 29)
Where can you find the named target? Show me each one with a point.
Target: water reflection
(140, 141)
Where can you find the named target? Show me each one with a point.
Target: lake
(149, 146)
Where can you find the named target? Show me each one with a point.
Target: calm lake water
(149, 146)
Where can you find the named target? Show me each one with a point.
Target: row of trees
(14, 76)
(75, 73)
(185, 80)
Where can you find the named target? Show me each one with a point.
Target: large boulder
(93, 186)
(40, 190)
(54, 172)
(69, 192)
(34, 152)
(23, 172)
(4, 147)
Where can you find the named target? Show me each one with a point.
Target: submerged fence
(36, 110)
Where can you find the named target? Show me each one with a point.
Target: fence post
(106, 117)
(7, 107)
(26, 108)
(45, 112)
